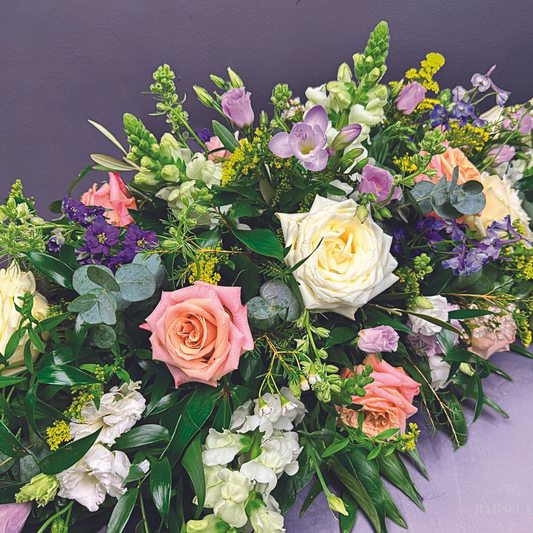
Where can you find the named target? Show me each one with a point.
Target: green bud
(322, 353)
(337, 505)
(200, 209)
(386, 212)
(145, 178)
(234, 79)
(374, 75)
(331, 368)
(170, 173)
(361, 213)
(146, 162)
(263, 119)
(59, 526)
(360, 391)
(335, 388)
(344, 73)
(219, 82)
(160, 106)
(203, 96)
(41, 488)
(295, 388)
(422, 302)
(358, 59)
(209, 524)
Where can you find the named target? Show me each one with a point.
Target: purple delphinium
(55, 242)
(79, 213)
(462, 111)
(101, 237)
(398, 234)
(440, 117)
(306, 140)
(124, 257)
(85, 257)
(138, 240)
(204, 135)
(482, 83)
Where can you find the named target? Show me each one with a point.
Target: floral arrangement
(263, 304)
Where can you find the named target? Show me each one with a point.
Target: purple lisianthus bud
(13, 516)
(503, 154)
(409, 98)
(379, 339)
(346, 136)
(379, 181)
(237, 107)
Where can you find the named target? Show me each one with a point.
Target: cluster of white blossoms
(101, 471)
(261, 440)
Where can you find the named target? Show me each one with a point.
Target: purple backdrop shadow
(64, 62)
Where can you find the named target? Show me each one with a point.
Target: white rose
(14, 284)
(119, 410)
(439, 372)
(234, 494)
(265, 521)
(502, 200)
(98, 473)
(203, 169)
(440, 311)
(352, 263)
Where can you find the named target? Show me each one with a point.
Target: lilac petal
(319, 163)
(490, 71)
(317, 116)
(280, 145)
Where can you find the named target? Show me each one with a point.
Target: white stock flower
(439, 372)
(221, 448)
(119, 410)
(351, 264)
(203, 169)
(233, 495)
(440, 311)
(98, 473)
(14, 284)
(265, 521)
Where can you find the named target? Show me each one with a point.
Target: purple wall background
(64, 62)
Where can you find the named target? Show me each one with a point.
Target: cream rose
(352, 264)
(502, 200)
(14, 284)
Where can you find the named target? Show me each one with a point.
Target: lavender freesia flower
(378, 339)
(237, 107)
(306, 140)
(409, 98)
(346, 136)
(101, 237)
(13, 516)
(138, 240)
(379, 181)
(502, 154)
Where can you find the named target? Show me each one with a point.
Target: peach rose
(115, 197)
(200, 332)
(388, 401)
(487, 340)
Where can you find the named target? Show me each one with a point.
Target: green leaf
(13, 343)
(262, 241)
(435, 321)
(194, 466)
(225, 136)
(337, 446)
(52, 268)
(339, 335)
(103, 336)
(166, 403)
(9, 444)
(122, 511)
(387, 434)
(65, 375)
(161, 486)
(32, 402)
(377, 318)
(438, 283)
(28, 357)
(81, 175)
(391, 511)
(312, 495)
(160, 386)
(7, 381)
(142, 436)
(223, 417)
(460, 380)
(108, 134)
(463, 314)
(104, 309)
(35, 339)
(446, 340)
(347, 522)
(81, 282)
(7, 492)
(102, 278)
(68, 455)
(520, 351)
(85, 302)
(111, 163)
(48, 323)
(135, 473)
(457, 418)
(136, 282)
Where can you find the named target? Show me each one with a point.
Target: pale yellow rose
(13, 284)
(502, 200)
(349, 261)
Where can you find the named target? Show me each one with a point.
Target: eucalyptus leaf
(103, 336)
(102, 278)
(81, 282)
(136, 282)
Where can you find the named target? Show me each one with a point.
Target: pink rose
(379, 339)
(487, 340)
(388, 401)
(409, 98)
(200, 332)
(115, 197)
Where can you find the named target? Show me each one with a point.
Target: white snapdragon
(98, 473)
(213, 485)
(221, 448)
(234, 493)
(202, 169)
(264, 520)
(179, 196)
(119, 411)
(169, 147)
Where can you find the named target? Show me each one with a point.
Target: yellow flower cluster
(407, 282)
(427, 104)
(424, 76)
(521, 318)
(57, 434)
(208, 261)
(409, 439)
(468, 138)
(405, 163)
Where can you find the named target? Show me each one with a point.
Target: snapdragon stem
(53, 517)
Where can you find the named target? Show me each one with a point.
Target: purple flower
(306, 140)
(204, 135)
(439, 117)
(502, 154)
(483, 82)
(409, 98)
(459, 93)
(13, 516)
(139, 240)
(346, 136)
(125, 257)
(85, 257)
(526, 122)
(462, 111)
(100, 237)
(398, 234)
(379, 181)
(79, 213)
(478, 122)
(55, 242)
(237, 107)
(379, 339)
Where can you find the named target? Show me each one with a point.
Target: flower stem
(145, 521)
(53, 517)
